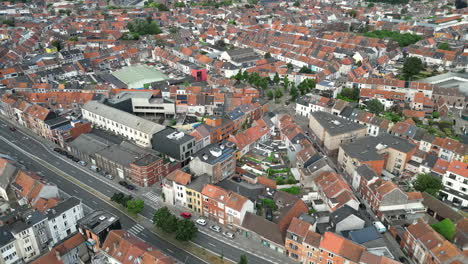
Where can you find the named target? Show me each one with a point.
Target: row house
(422, 103)
(455, 181)
(174, 187)
(445, 148)
(394, 85)
(384, 154)
(246, 140)
(308, 104)
(387, 98)
(306, 246)
(424, 245)
(333, 190)
(63, 219)
(69, 251)
(225, 207)
(376, 126)
(30, 189)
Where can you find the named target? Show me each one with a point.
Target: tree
(165, 220)
(435, 114)
(412, 67)
(304, 69)
(179, 5)
(286, 83)
(270, 94)
(293, 92)
(296, 3)
(460, 4)
(446, 228)
(186, 230)
(135, 206)
(267, 55)
(443, 46)
(243, 259)
(8, 22)
(427, 183)
(57, 44)
(118, 197)
(276, 79)
(375, 106)
(278, 93)
(370, 5)
(289, 66)
(352, 13)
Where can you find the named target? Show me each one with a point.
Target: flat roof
(138, 75)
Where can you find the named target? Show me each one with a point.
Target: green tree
(118, 197)
(179, 5)
(267, 55)
(278, 93)
(446, 228)
(443, 46)
(135, 206)
(427, 183)
(305, 69)
(276, 79)
(412, 67)
(370, 5)
(435, 114)
(186, 230)
(8, 22)
(73, 39)
(289, 66)
(293, 92)
(352, 13)
(375, 106)
(165, 220)
(286, 83)
(57, 44)
(270, 94)
(243, 259)
(296, 3)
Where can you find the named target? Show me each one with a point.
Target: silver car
(228, 234)
(215, 228)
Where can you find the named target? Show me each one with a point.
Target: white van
(380, 227)
(94, 168)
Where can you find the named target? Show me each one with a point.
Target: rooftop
(335, 125)
(98, 220)
(139, 75)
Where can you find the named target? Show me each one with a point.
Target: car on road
(228, 234)
(123, 183)
(215, 228)
(13, 128)
(185, 215)
(94, 168)
(82, 163)
(201, 222)
(109, 176)
(58, 150)
(70, 156)
(131, 187)
(75, 159)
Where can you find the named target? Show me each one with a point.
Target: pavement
(37, 155)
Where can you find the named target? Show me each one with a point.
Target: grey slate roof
(263, 227)
(7, 174)
(5, 236)
(342, 213)
(335, 125)
(364, 235)
(365, 149)
(366, 172)
(63, 207)
(121, 117)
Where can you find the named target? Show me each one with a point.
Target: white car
(215, 228)
(228, 234)
(201, 222)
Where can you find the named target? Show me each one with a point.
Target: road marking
(211, 244)
(94, 202)
(75, 191)
(170, 251)
(143, 234)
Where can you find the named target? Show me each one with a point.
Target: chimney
(57, 255)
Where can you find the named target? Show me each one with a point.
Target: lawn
(294, 190)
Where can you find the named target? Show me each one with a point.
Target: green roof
(139, 75)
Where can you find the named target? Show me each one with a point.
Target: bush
(427, 183)
(135, 206)
(294, 190)
(402, 39)
(269, 203)
(446, 228)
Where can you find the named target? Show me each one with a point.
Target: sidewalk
(239, 241)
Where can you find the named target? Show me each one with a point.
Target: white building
(62, 219)
(455, 182)
(174, 187)
(134, 128)
(9, 254)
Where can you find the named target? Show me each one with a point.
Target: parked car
(109, 176)
(13, 128)
(131, 187)
(380, 227)
(75, 159)
(82, 163)
(64, 153)
(123, 183)
(58, 150)
(186, 215)
(94, 168)
(70, 156)
(237, 179)
(215, 228)
(269, 215)
(228, 234)
(201, 222)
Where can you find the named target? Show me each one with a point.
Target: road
(40, 158)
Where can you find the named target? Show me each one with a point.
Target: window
(294, 237)
(330, 255)
(329, 261)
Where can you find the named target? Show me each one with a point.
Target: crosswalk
(136, 229)
(153, 198)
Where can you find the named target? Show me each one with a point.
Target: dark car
(130, 187)
(269, 215)
(237, 179)
(70, 156)
(13, 128)
(75, 159)
(64, 153)
(58, 150)
(123, 183)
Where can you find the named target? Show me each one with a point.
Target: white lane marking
(94, 202)
(75, 191)
(211, 244)
(170, 251)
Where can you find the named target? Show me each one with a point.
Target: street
(40, 158)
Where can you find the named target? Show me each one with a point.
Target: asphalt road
(43, 160)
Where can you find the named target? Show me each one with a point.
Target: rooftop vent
(205, 157)
(176, 135)
(102, 218)
(216, 152)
